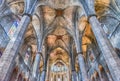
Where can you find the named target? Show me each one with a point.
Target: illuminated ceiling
(60, 13)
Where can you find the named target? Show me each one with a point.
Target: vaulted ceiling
(59, 15)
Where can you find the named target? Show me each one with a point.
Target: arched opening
(60, 70)
(59, 65)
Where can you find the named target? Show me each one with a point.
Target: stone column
(74, 74)
(109, 53)
(82, 67)
(38, 78)
(43, 75)
(77, 77)
(81, 58)
(11, 51)
(36, 66)
(48, 71)
(109, 76)
(78, 42)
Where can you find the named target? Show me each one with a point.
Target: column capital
(79, 54)
(88, 7)
(39, 53)
(91, 15)
(29, 15)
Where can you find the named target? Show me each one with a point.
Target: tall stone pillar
(69, 71)
(109, 53)
(37, 61)
(82, 67)
(38, 78)
(11, 51)
(78, 42)
(81, 57)
(48, 72)
(79, 75)
(43, 75)
(109, 76)
(74, 74)
(81, 60)
(36, 66)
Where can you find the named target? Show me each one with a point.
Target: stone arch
(61, 48)
(59, 61)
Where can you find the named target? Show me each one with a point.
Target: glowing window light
(13, 29)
